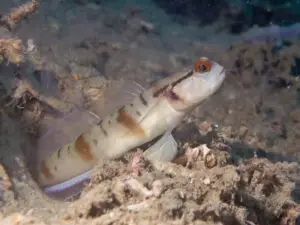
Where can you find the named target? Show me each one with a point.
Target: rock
(84, 71)
(243, 132)
(4, 178)
(19, 219)
(6, 192)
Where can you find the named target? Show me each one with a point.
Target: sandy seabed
(255, 115)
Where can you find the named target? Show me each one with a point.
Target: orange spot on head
(202, 65)
(83, 149)
(129, 122)
(45, 170)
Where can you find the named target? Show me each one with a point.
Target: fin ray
(64, 130)
(116, 94)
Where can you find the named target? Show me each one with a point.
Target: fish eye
(202, 65)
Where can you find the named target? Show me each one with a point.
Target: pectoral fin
(165, 149)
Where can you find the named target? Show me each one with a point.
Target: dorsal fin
(65, 129)
(115, 95)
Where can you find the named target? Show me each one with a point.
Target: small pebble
(206, 181)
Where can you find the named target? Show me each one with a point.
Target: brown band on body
(129, 122)
(138, 113)
(143, 100)
(45, 170)
(83, 149)
(58, 153)
(102, 128)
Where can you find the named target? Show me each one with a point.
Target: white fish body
(153, 112)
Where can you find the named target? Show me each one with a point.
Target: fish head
(197, 85)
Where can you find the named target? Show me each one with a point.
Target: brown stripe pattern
(143, 100)
(189, 74)
(129, 122)
(102, 128)
(45, 170)
(83, 149)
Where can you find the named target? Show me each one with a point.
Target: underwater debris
(204, 128)
(17, 14)
(31, 47)
(192, 155)
(18, 218)
(6, 185)
(260, 176)
(21, 93)
(146, 26)
(23, 86)
(137, 163)
(4, 179)
(135, 185)
(11, 49)
(295, 68)
(290, 214)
